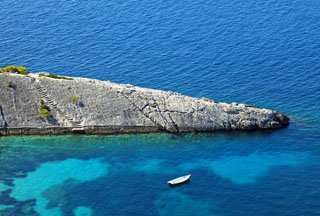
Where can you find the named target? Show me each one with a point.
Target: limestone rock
(107, 107)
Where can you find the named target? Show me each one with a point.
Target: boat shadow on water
(179, 185)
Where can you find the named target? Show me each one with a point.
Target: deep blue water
(265, 53)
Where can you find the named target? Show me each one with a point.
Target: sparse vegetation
(14, 69)
(44, 110)
(43, 106)
(55, 76)
(44, 113)
(74, 99)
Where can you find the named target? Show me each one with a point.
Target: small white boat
(179, 180)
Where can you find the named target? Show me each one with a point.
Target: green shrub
(74, 99)
(14, 69)
(44, 113)
(9, 68)
(44, 110)
(21, 69)
(54, 76)
(43, 106)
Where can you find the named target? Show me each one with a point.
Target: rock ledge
(103, 107)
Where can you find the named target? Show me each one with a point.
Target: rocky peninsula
(48, 104)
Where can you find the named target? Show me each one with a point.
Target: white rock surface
(103, 104)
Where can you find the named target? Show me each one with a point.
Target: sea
(262, 52)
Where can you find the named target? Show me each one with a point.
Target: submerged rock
(103, 107)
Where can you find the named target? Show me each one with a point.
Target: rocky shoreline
(39, 104)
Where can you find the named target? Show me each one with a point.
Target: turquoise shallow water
(236, 173)
(265, 53)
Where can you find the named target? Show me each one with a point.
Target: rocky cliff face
(106, 107)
